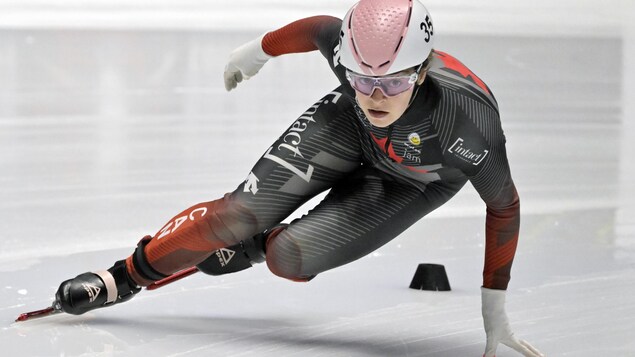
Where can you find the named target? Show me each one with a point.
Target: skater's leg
(320, 148)
(358, 216)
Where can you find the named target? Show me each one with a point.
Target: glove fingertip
(229, 85)
(531, 348)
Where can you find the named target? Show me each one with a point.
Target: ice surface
(105, 135)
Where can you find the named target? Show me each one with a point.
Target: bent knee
(285, 258)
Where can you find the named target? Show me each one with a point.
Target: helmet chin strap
(417, 86)
(414, 94)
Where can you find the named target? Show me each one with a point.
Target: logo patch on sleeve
(460, 150)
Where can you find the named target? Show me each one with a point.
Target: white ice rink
(113, 118)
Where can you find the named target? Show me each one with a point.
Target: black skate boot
(90, 291)
(240, 256)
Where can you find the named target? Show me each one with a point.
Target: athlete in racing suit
(381, 181)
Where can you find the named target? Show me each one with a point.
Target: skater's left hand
(245, 62)
(497, 326)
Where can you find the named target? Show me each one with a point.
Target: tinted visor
(389, 85)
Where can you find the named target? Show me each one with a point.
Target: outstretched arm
(299, 36)
(495, 185)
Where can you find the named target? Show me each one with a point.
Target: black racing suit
(382, 180)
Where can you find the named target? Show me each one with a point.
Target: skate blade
(172, 278)
(37, 314)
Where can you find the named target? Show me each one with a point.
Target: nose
(378, 94)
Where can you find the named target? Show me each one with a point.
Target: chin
(381, 122)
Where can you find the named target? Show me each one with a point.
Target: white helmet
(379, 37)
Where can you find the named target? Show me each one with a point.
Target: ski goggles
(389, 85)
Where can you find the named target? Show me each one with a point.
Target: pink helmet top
(374, 34)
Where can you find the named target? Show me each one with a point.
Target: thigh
(358, 216)
(319, 149)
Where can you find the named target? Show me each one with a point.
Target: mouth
(377, 113)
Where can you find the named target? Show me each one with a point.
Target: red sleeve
(298, 36)
(501, 238)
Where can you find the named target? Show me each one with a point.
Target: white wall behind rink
(110, 65)
(514, 17)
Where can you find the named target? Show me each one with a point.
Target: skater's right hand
(497, 326)
(245, 62)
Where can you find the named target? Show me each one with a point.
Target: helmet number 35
(427, 27)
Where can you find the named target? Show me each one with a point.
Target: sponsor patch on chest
(411, 153)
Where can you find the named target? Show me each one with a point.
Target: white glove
(245, 62)
(497, 325)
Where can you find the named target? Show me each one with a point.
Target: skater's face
(382, 109)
